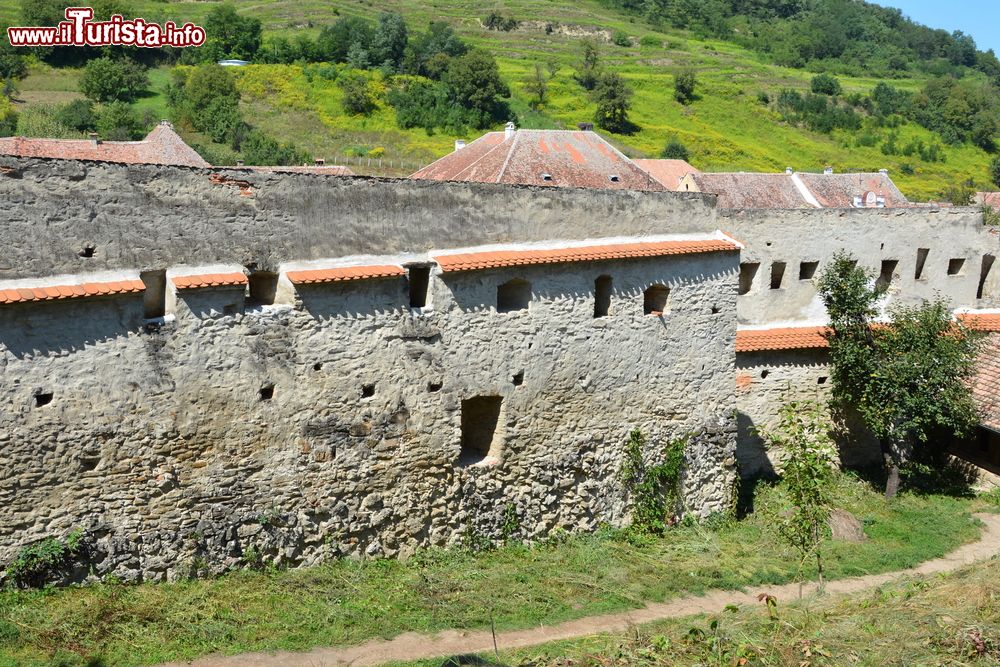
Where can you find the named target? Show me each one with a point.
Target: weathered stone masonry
(332, 424)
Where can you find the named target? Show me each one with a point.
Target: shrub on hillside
(675, 150)
(77, 115)
(497, 21)
(357, 95)
(106, 80)
(825, 84)
(116, 121)
(260, 149)
(684, 85)
(614, 99)
(8, 117)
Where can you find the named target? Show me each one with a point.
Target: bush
(8, 117)
(995, 171)
(260, 149)
(651, 41)
(107, 80)
(684, 85)
(357, 98)
(77, 115)
(208, 99)
(613, 97)
(825, 84)
(37, 563)
(117, 122)
(675, 150)
(497, 21)
(621, 38)
(763, 98)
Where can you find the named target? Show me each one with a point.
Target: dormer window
(546, 177)
(613, 178)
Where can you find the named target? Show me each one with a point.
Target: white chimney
(459, 144)
(827, 170)
(884, 172)
(789, 171)
(508, 130)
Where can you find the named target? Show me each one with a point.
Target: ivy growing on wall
(654, 490)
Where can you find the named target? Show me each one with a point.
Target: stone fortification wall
(333, 424)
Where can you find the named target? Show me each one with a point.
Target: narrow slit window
(263, 287)
(748, 271)
(513, 295)
(984, 274)
(418, 278)
(955, 266)
(482, 433)
(602, 296)
(777, 274)
(918, 271)
(807, 270)
(655, 300)
(887, 273)
(154, 298)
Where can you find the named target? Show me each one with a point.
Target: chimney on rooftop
(827, 170)
(884, 172)
(459, 144)
(239, 163)
(319, 162)
(509, 129)
(789, 171)
(94, 139)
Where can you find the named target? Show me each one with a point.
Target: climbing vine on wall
(654, 490)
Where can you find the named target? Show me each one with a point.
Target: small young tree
(614, 98)
(537, 84)
(589, 71)
(357, 97)
(825, 84)
(907, 378)
(675, 150)
(684, 85)
(802, 433)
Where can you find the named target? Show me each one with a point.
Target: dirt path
(413, 646)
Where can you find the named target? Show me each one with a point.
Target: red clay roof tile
(986, 383)
(209, 280)
(980, 321)
(782, 338)
(499, 258)
(343, 273)
(55, 292)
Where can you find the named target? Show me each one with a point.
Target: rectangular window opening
(154, 298)
(918, 272)
(777, 274)
(955, 266)
(263, 287)
(807, 270)
(748, 271)
(418, 278)
(887, 273)
(984, 274)
(602, 296)
(513, 295)
(655, 300)
(482, 436)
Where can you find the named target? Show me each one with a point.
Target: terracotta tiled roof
(783, 338)
(991, 199)
(499, 258)
(840, 190)
(323, 170)
(570, 158)
(986, 383)
(161, 146)
(667, 172)
(344, 273)
(209, 280)
(980, 321)
(55, 292)
(798, 190)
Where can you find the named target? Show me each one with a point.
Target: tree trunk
(891, 459)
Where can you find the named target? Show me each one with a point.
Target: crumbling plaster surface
(157, 441)
(871, 236)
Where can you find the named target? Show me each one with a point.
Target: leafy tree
(12, 64)
(230, 35)
(590, 67)
(8, 117)
(908, 378)
(335, 41)
(208, 99)
(803, 435)
(357, 97)
(358, 56)
(537, 85)
(684, 85)
(474, 83)
(388, 43)
(77, 115)
(259, 149)
(614, 99)
(106, 79)
(621, 38)
(117, 122)
(961, 194)
(675, 150)
(430, 53)
(825, 84)
(995, 171)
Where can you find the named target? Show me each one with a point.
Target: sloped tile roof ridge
(484, 138)
(797, 337)
(213, 275)
(70, 286)
(984, 319)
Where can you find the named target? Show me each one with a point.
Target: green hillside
(726, 128)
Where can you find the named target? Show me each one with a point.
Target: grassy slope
(726, 129)
(346, 602)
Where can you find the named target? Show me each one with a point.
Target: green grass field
(346, 602)
(726, 129)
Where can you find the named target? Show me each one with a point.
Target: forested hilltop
(753, 85)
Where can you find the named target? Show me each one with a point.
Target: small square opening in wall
(777, 274)
(43, 398)
(955, 266)
(267, 392)
(748, 271)
(418, 277)
(655, 299)
(807, 270)
(367, 390)
(821, 379)
(263, 287)
(513, 295)
(482, 432)
(434, 387)
(517, 379)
